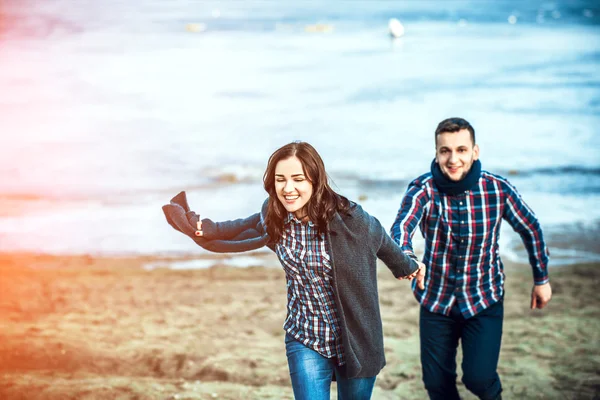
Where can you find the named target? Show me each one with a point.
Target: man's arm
(408, 218)
(522, 219)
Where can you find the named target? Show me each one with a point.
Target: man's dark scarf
(452, 188)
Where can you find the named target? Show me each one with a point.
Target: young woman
(328, 247)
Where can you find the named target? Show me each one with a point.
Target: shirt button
(462, 222)
(462, 240)
(459, 271)
(460, 203)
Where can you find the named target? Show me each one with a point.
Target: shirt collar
(453, 188)
(292, 218)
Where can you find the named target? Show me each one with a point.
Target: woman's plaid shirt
(311, 311)
(461, 241)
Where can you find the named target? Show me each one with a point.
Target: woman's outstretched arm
(224, 237)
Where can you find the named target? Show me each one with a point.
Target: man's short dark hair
(454, 125)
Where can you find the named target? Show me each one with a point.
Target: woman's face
(292, 187)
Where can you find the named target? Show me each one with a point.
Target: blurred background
(109, 108)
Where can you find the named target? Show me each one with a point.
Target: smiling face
(292, 186)
(455, 153)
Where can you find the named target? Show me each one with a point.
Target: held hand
(540, 295)
(419, 274)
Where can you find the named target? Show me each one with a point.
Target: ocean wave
(567, 180)
(555, 172)
(567, 175)
(417, 88)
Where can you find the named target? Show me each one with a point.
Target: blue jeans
(312, 373)
(480, 335)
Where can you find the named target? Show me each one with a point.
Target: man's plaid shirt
(461, 241)
(312, 314)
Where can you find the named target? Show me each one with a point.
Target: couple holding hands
(328, 247)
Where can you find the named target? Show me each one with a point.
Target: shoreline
(105, 327)
(124, 227)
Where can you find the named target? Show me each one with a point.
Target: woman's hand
(206, 229)
(419, 274)
(195, 222)
(199, 227)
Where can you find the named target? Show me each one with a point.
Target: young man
(459, 208)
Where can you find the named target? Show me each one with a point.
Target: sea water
(109, 108)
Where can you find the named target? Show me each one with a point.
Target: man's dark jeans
(480, 337)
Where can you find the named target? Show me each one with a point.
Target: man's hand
(540, 295)
(420, 277)
(419, 274)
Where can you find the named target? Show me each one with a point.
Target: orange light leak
(3, 22)
(30, 164)
(6, 16)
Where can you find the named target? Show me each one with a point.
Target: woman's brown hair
(323, 203)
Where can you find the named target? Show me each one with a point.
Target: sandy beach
(79, 327)
(109, 109)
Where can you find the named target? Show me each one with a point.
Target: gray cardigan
(356, 241)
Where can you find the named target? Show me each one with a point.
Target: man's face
(455, 153)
